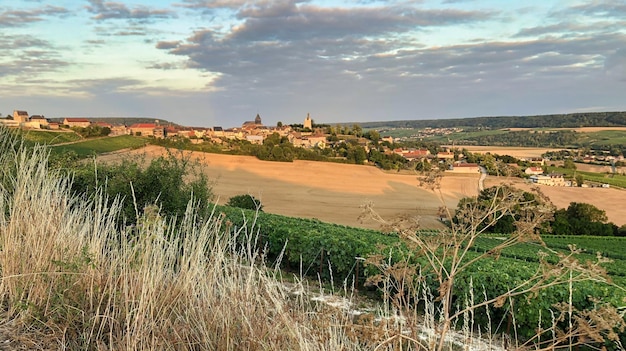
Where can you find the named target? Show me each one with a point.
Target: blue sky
(220, 62)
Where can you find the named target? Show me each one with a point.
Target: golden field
(333, 192)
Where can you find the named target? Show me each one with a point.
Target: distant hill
(571, 120)
(124, 120)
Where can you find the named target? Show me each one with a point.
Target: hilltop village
(316, 142)
(306, 135)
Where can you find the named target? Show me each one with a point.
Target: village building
(20, 116)
(445, 155)
(552, 179)
(147, 129)
(218, 132)
(119, 130)
(40, 120)
(249, 125)
(76, 122)
(255, 139)
(533, 170)
(464, 167)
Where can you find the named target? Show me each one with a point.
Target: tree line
(571, 120)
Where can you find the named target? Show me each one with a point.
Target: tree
(373, 135)
(279, 124)
(569, 164)
(580, 180)
(587, 212)
(247, 202)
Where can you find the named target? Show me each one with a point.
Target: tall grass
(71, 279)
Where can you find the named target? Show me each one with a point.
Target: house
(119, 130)
(41, 120)
(147, 129)
(533, 170)
(255, 139)
(419, 154)
(552, 179)
(218, 132)
(20, 116)
(445, 155)
(76, 122)
(464, 167)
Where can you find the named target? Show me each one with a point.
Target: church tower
(257, 120)
(308, 123)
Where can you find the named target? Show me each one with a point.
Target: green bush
(247, 202)
(162, 183)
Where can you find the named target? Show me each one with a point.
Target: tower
(257, 119)
(308, 123)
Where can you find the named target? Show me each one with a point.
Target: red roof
(465, 165)
(76, 119)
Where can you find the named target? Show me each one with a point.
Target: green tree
(357, 130)
(373, 135)
(580, 180)
(587, 212)
(569, 164)
(247, 202)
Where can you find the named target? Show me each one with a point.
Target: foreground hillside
(77, 276)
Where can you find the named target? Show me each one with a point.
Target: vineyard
(100, 145)
(337, 252)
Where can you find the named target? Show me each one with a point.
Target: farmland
(323, 248)
(50, 138)
(101, 145)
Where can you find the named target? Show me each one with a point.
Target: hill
(122, 120)
(572, 120)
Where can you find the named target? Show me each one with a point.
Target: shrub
(169, 182)
(247, 202)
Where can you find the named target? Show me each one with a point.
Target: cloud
(207, 5)
(117, 10)
(600, 8)
(573, 28)
(16, 18)
(28, 56)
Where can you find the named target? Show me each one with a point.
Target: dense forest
(572, 120)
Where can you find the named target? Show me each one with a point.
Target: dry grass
(72, 280)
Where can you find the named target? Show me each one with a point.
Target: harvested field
(605, 199)
(330, 192)
(517, 152)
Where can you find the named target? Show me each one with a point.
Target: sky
(220, 62)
